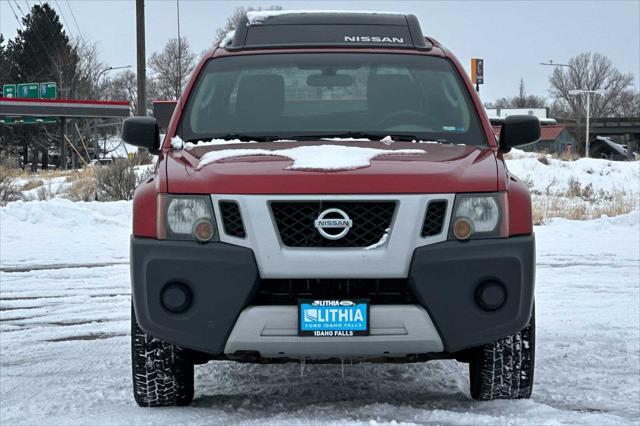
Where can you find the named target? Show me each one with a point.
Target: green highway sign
(48, 90)
(9, 91)
(28, 120)
(29, 90)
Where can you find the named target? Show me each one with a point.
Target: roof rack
(278, 29)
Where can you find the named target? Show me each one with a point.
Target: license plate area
(333, 318)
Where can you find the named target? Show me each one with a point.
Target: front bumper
(396, 331)
(223, 279)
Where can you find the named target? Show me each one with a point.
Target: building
(554, 138)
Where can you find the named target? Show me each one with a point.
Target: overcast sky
(511, 36)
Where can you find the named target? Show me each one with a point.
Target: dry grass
(9, 172)
(83, 185)
(565, 156)
(545, 207)
(32, 184)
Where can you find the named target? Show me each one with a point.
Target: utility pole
(588, 93)
(179, 52)
(141, 58)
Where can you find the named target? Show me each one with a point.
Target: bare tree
(521, 100)
(589, 71)
(629, 105)
(232, 21)
(88, 84)
(124, 87)
(172, 67)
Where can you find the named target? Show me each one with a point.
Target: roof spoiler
(299, 29)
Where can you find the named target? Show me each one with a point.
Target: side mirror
(142, 132)
(519, 130)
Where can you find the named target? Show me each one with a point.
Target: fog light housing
(176, 297)
(491, 295)
(203, 230)
(462, 228)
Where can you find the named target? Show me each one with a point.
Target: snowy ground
(553, 176)
(64, 338)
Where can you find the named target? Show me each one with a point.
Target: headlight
(185, 217)
(479, 216)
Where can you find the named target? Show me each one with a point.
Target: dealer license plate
(333, 318)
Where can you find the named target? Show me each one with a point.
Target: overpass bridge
(625, 131)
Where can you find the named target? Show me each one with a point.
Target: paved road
(64, 346)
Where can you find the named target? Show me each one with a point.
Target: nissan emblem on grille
(333, 219)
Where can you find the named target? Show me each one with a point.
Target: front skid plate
(272, 331)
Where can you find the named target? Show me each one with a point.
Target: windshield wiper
(377, 136)
(240, 136)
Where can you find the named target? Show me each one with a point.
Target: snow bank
(53, 185)
(554, 178)
(562, 237)
(61, 231)
(320, 157)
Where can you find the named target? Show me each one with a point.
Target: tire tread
(162, 372)
(504, 369)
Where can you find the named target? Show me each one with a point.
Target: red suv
(329, 188)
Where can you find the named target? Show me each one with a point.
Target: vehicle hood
(439, 169)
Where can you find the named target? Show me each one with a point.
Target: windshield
(314, 95)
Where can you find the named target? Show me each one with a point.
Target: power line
(15, 15)
(38, 33)
(51, 26)
(74, 19)
(33, 52)
(66, 25)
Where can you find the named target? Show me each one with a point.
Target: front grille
(296, 222)
(378, 291)
(434, 218)
(232, 219)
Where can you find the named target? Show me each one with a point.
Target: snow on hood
(177, 143)
(319, 157)
(257, 16)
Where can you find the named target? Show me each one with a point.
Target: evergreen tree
(42, 51)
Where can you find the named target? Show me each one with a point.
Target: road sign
(477, 71)
(9, 91)
(28, 90)
(28, 120)
(48, 90)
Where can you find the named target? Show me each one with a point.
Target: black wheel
(162, 372)
(504, 369)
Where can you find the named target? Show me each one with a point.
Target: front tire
(504, 369)
(162, 372)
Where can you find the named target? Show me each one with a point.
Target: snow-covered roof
(228, 38)
(258, 16)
